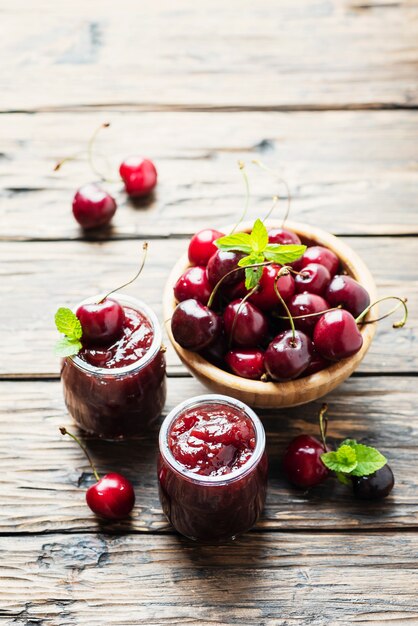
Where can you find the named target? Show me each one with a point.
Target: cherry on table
(321, 255)
(244, 323)
(265, 297)
(202, 246)
(374, 486)
(195, 326)
(336, 335)
(246, 363)
(314, 278)
(344, 290)
(139, 176)
(306, 304)
(302, 463)
(283, 237)
(193, 283)
(223, 262)
(93, 207)
(288, 355)
(102, 322)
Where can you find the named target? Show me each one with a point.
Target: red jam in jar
(212, 468)
(119, 390)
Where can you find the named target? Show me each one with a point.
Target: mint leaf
(68, 323)
(369, 460)
(343, 478)
(252, 277)
(67, 347)
(343, 460)
(259, 236)
(283, 255)
(237, 241)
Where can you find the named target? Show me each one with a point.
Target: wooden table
(325, 91)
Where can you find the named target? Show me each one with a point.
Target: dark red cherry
(302, 463)
(336, 335)
(349, 293)
(193, 283)
(283, 237)
(215, 352)
(314, 278)
(265, 297)
(139, 176)
(112, 497)
(93, 207)
(195, 326)
(317, 364)
(102, 322)
(306, 304)
(287, 357)
(235, 291)
(202, 247)
(246, 363)
(374, 486)
(323, 256)
(247, 323)
(222, 262)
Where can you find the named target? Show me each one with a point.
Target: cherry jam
(212, 468)
(119, 390)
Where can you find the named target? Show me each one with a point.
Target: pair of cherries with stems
(93, 206)
(308, 461)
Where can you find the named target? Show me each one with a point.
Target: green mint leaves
(353, 458)
(69, 325)
(258, 250)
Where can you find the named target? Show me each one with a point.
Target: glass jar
(212, 508)
(122, 401)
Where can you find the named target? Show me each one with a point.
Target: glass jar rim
(155, 346)
(212, 399)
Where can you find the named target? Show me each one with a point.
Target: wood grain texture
(348, 172)
(43, 476)
(260, 579)
(235, 55)
(38, 277)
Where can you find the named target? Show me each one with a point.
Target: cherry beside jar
(212, 468)
(120, 391)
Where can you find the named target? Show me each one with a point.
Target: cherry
(93, 207)
(283, 237)
(288, 355)
(374, 486)
(112, 496)
(193, 283)
(215, 352)
(102, 322)
(314, 278)
(265, 297)
(306, 304)
(244, 323)
(246, 363)
(302, 463)
(202, 247)
(323, 256)
(336, 335)
(223, 262)
(195, 326)
(317, 364)
(139, 176)
(349, 293)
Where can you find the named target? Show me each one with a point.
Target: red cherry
(193, 283)
(112, 497)
(283, 237)
(286, 356)
(139, 176)
(314, 278)
(306, 304)
(265, 297)
(349, 293)
(93, 207)
(336, 335)
(302, 463)
(202, 247)
(247, 323)
(223, 262)
(323, 256)
(317, 364)
(246, 363)
(235, 291)
(195, 326)
(102, 322)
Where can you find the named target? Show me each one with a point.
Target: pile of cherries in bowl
(292, 325)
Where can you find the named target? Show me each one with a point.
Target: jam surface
(129, 348)
(212, 439)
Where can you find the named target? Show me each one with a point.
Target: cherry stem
(299, 317)
(241, 304)
(90, 154)
(141, 267)
(276, 289)
(64, 431)
(236, 269)
(273, 206)
(281, 180)
(323, 424)
(382, 317)
(241, 166)
(402, 302)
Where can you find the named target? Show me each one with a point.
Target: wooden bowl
(281, 394)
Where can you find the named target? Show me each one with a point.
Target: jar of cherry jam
(119, 390)
(212, 468)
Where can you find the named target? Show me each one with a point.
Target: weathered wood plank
(269, 580)
(43, 476)
(37, 278)
(235, 55)
(350, 173)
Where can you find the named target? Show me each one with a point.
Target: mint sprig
(354, 459)
(258, 250)
(69, 325)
